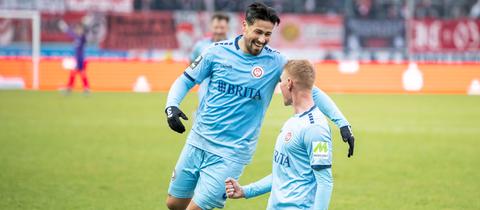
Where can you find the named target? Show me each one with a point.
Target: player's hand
(173, 118)
(233, 189)
(347, 136)
(62, 26)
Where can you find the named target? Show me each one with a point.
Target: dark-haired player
(243, 72)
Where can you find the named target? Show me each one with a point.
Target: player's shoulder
(229, 43)
(315, 132)
(275, 54)
(217, 48)
(268, 49)
(312, 119)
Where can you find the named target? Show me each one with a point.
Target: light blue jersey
(229, 118)
(303, 146)
(241, 86)
(199, 47)
(301, 173)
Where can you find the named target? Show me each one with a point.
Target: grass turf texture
(115, 151)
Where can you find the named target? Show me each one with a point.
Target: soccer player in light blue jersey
(301, 171)
(219, 29)
(243, 72)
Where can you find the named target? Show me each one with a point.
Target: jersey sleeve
(259, 187)
(200, 68)
(195, 52)
(177, 92)
(323, 193)
(319, 146)
(328, 107)
(282, 60)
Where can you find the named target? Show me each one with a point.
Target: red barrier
(118, 75)
(140, 31)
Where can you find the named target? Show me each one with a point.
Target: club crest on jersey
(257, 72)
(196, 62)
(288, 136)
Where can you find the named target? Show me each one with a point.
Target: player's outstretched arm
(177, 92)
(255, 189)
(65, 28)
(62, 25)
(194, 74)
(330, 109)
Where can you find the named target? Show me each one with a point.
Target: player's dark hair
(221, 16)
(260, 11)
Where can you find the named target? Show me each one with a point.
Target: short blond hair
(302, 73)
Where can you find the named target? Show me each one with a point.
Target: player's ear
(289, 84)
(244, 26)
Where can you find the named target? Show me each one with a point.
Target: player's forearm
(179, 90)
(324, 189)
(328, 107)
(259, 187)
(71, 33)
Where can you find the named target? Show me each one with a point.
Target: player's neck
(218, 38)
(241, 44)
(302, 101)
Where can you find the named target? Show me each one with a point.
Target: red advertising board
(444, 35)
(140, 31)
(309, 32)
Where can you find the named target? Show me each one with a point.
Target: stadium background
(391, 66)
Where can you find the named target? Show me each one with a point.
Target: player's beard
(254, 47)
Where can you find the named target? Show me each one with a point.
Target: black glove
(173, 118)
(347, 136)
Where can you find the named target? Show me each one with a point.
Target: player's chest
(245, 72)
(288, 139)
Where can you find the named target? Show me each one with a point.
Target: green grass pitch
(115, 151)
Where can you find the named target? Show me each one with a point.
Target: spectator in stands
(142, 5)
(457, 12)
(364, 9)
(165, 5)
(475, 11)
(78, 33)
(394, 12)
(426, 10)
(219, 28)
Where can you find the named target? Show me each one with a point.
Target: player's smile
(258, 44)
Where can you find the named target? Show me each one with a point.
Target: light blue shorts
(201, 175)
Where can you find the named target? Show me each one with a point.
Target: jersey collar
(236, 41)
(310, 110)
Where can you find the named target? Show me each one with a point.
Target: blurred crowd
(368, 9)
(352, 29)
(283, 6)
